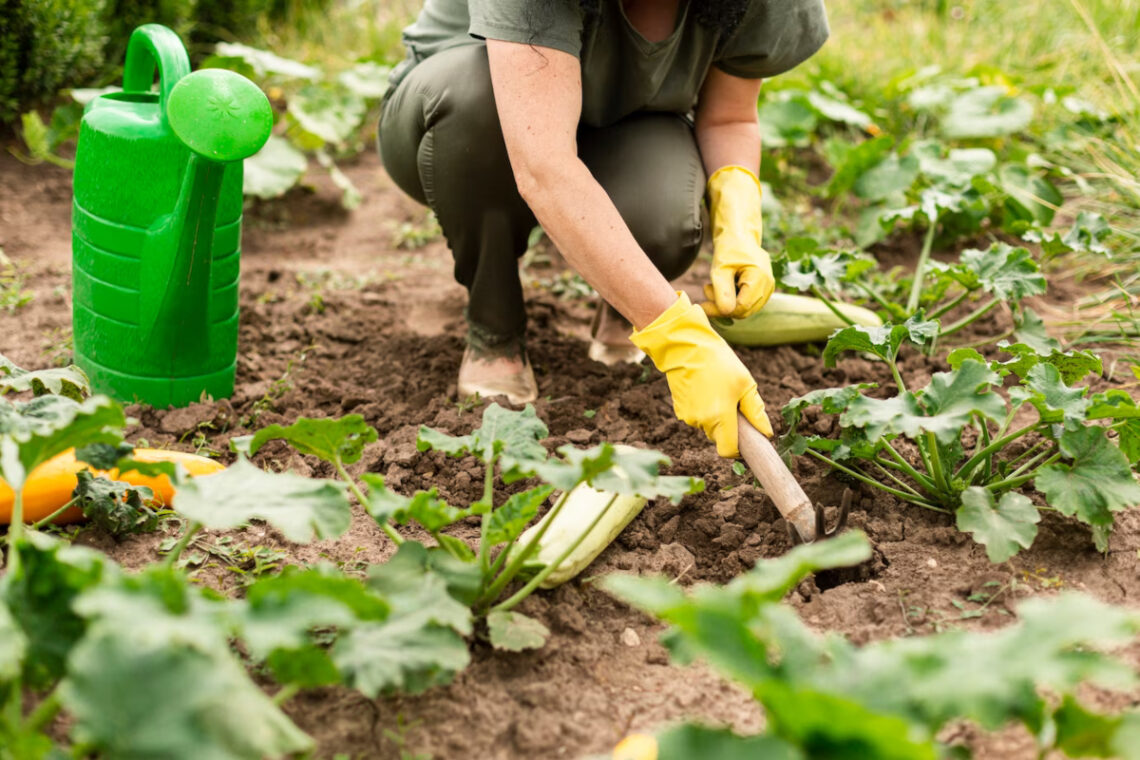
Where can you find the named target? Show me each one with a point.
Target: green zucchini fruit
(788, 318)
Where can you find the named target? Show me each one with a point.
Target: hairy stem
(882, 302)
(872, 482)
(947, 307)
(936, 464)
(183, 542)
(815, 291)
(385, 526)
(920, 478)
(285, 693)
(920, 268)
(997, 445)
(1014, 482)
(534, 582)
(44, 713)
(970, 318)
(40, 523)
(489, 502)
(521, 556)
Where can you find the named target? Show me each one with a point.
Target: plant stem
(997, 445)
(500, 560)
(936, 464)
(385, 526)
(40, 523)
(920, 478)
(183, 542)
(534, 582)
(1031, 450)
(523, 555)
(1014, 482)
(485, 526)
(970, 318)
(872, 482)
(920, 268)
(947, 307)
(44, 713)
(901, 483)
(1033, 463)
(896, 375)
(285, 693)
(883, 303)
(815, 291)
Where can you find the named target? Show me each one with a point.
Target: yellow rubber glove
(741, 273)
(707, 379)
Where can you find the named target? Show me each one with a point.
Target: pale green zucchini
(582, 507)
(788, 318)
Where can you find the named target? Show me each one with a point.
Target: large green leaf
(773, 579)
(617, 469)
(330, 440)
(415, 591)
(332, 114)
(857, 161)
(952, 397)
(266, 63)
(33, 432)
(273, 170)
(68, 381)
(1006, 272)
(786, 122)
(13, 646)
(957, 168)
(430, 511)
(1096, 481)
(508, 521)
(399, 655)
(512, 435)
(515, 632)
(51, 577)
(828, 725)
(1003, 527)
(301, 508)
(114, 506)
(883, 342)
(280, 610)
(134, 694)
(1055, 401)
(1083, 733)
(887, 178)
(986, 112)
(689, 742)
(1031, 198)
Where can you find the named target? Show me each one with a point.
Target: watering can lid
(219, 115)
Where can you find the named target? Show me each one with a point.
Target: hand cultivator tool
(156, 225)
(806, 521)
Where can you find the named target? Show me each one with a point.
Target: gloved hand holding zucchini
(49, 487)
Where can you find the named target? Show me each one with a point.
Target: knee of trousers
(671, 242)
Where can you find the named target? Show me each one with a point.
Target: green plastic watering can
(156, 225)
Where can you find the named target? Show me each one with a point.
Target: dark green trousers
(441, 142)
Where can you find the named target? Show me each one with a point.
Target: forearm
(729, 143)
(583, 222)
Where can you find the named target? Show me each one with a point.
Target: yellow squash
(50, 485)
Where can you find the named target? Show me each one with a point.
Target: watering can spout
(221, 117)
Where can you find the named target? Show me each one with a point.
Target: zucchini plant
(958, 446)
(508, 445)
(891, 700)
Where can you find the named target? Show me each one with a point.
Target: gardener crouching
(599, 120)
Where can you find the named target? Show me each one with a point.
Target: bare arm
(538, 94)
(727, 127)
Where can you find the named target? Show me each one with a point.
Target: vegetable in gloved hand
(741, 275)
(708, 381)
(790, 318)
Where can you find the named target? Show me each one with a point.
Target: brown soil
(379, 334)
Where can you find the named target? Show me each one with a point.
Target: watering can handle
(153, 46)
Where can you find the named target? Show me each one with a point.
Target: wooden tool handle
(778, 481)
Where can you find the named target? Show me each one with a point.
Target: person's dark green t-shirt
(622, 72)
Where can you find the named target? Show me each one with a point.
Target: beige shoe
(612, 353)
(496, 377)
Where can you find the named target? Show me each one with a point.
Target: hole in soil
(869, 570)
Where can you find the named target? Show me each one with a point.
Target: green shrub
(46, 45)
(123, 16)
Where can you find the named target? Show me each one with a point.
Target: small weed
(58, 347)
(410, 236)
(399, 737)
(277, 390)
(13, 294)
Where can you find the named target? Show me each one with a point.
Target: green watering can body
(156, 225)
